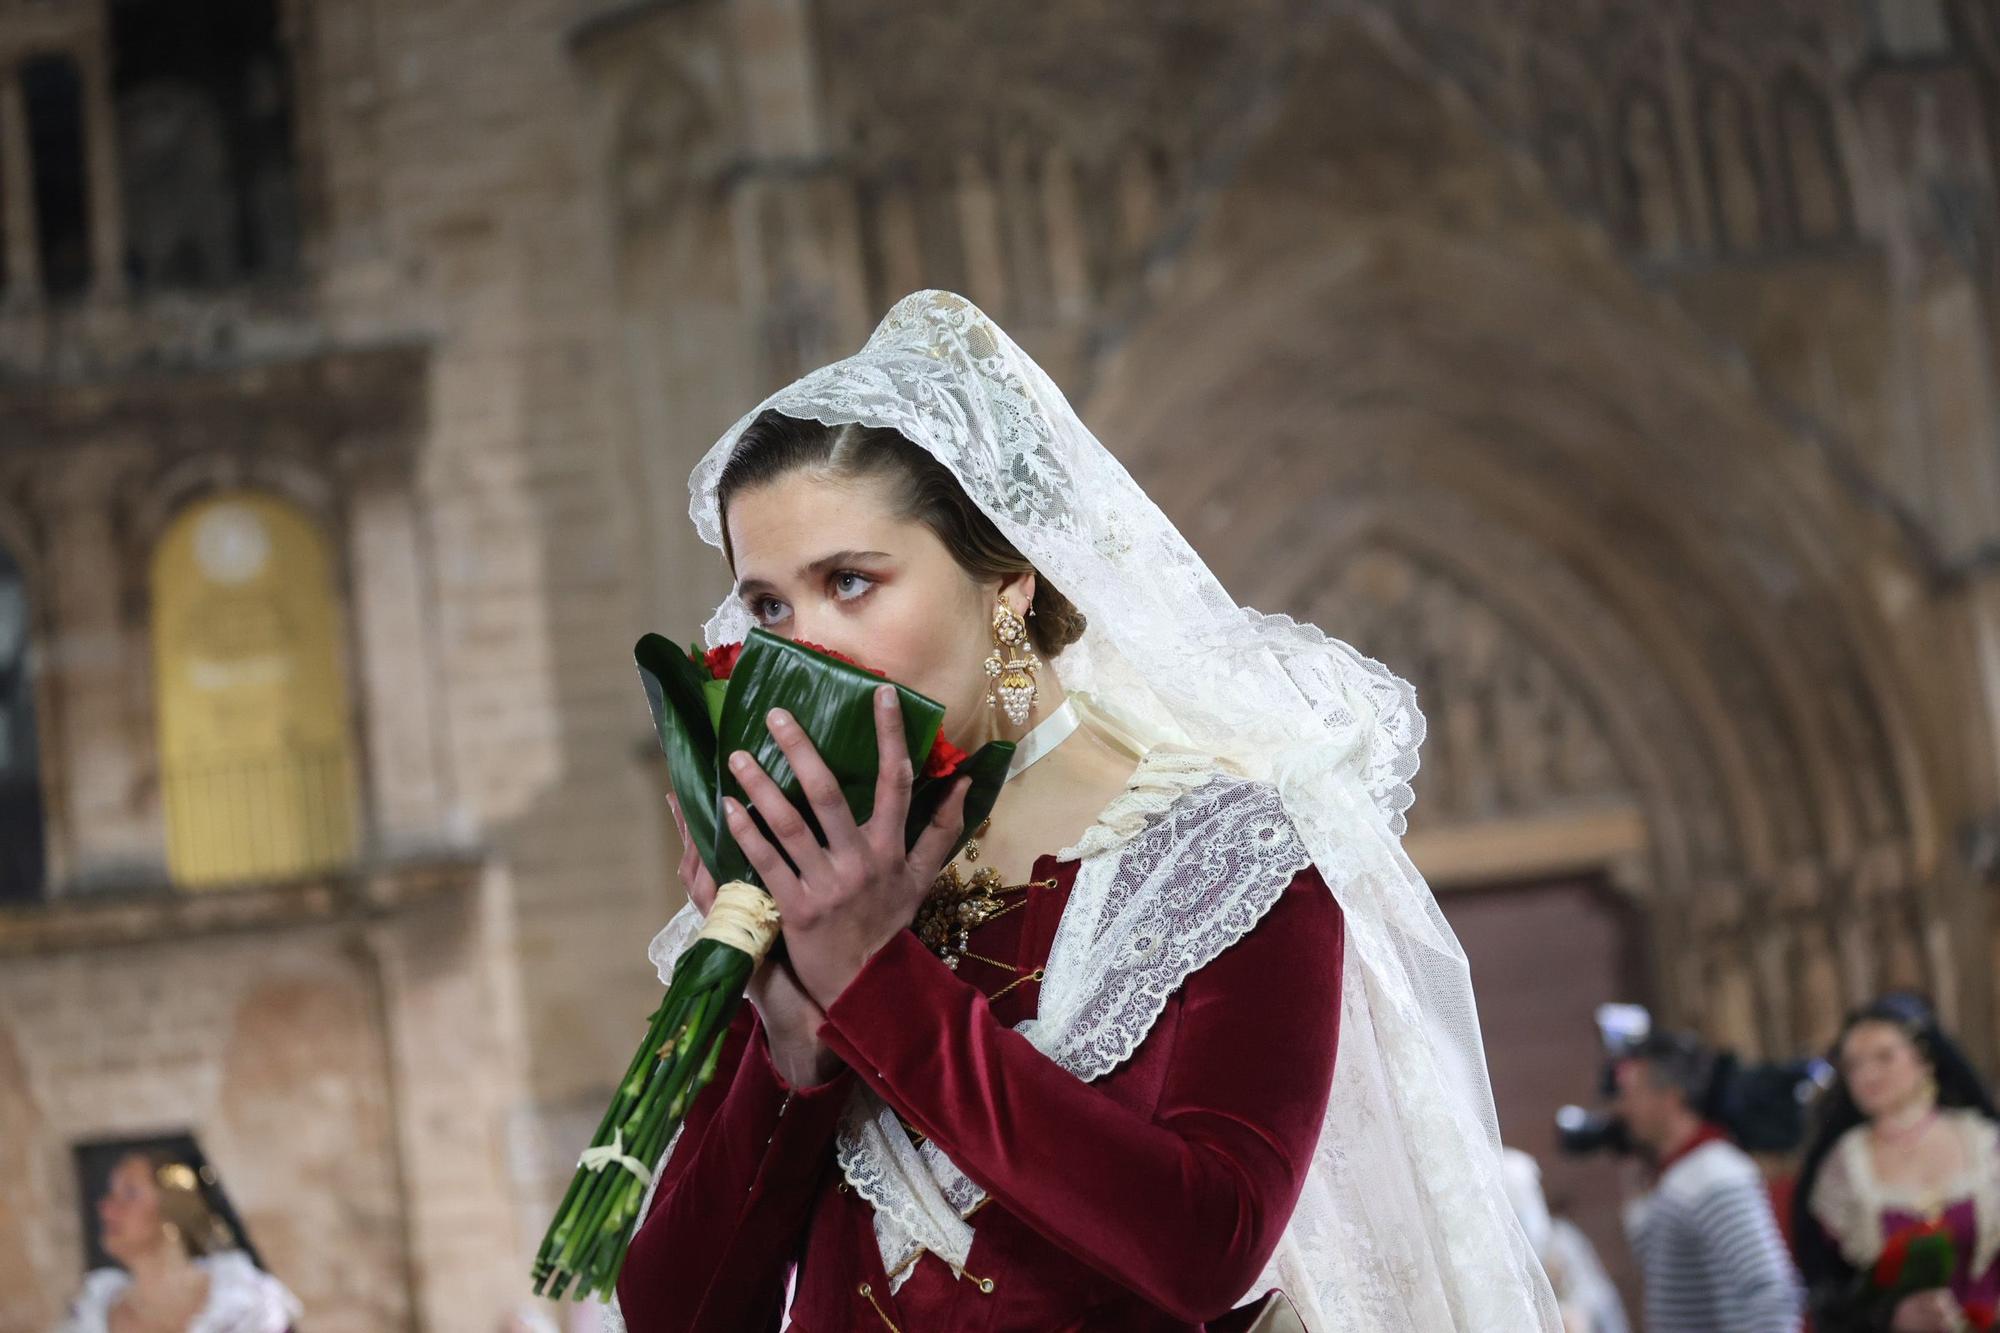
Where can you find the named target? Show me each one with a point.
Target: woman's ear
(1018, 591)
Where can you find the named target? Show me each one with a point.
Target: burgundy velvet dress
(1147, 1201)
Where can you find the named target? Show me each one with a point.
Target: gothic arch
(1620, 465)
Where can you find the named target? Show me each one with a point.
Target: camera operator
(1709, 1250)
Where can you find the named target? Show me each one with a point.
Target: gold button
(866, 1290)
(986, 1285)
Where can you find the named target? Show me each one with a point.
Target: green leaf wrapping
(1929, 1263)
(680, 716)
(834, 702)
(987, 767)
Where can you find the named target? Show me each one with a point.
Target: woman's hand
(1927, 1312)
(791, 1020)
(849, 897)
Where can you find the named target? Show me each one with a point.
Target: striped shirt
(1709, 1249)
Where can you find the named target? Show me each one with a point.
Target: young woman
(1083, 1076)
(183, 1266)
(1906, 1136)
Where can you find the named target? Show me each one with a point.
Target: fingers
(894, 775)
(816, 780)
(782, 818)
(776, 877)
(934, 845)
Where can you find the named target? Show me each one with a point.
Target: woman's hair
(1958, 1086)
(774, 445)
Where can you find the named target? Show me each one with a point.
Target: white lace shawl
(242, 1298)
(1848, 1198)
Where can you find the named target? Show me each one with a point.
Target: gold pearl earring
(1012, 666)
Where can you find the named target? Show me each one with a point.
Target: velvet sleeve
(729, 1217)
(1182, 1206)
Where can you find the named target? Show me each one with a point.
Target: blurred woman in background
(1906, 1138)
(184, 1265)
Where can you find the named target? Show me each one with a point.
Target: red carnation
(721, 660)
(1980, 1315)
(945, 759)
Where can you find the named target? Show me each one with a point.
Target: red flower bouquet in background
(706, 707)
(1921, 1258)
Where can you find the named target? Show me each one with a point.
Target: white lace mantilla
(242, 1298)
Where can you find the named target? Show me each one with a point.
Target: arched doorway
(257, 773)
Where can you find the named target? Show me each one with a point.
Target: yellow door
(256, 767)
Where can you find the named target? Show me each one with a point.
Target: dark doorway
(1544, 955)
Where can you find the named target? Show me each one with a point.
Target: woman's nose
(821, 634)
(807, 626)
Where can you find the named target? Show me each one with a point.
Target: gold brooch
(955, 908)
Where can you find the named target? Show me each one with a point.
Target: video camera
(1761, 1106)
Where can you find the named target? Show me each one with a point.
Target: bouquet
(705, 708)
(1918, 1258)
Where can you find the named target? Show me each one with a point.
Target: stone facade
(1621, 371)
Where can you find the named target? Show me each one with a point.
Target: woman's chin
(122, 1249)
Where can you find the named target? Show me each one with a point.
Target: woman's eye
(767, 610)
(848, 585)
